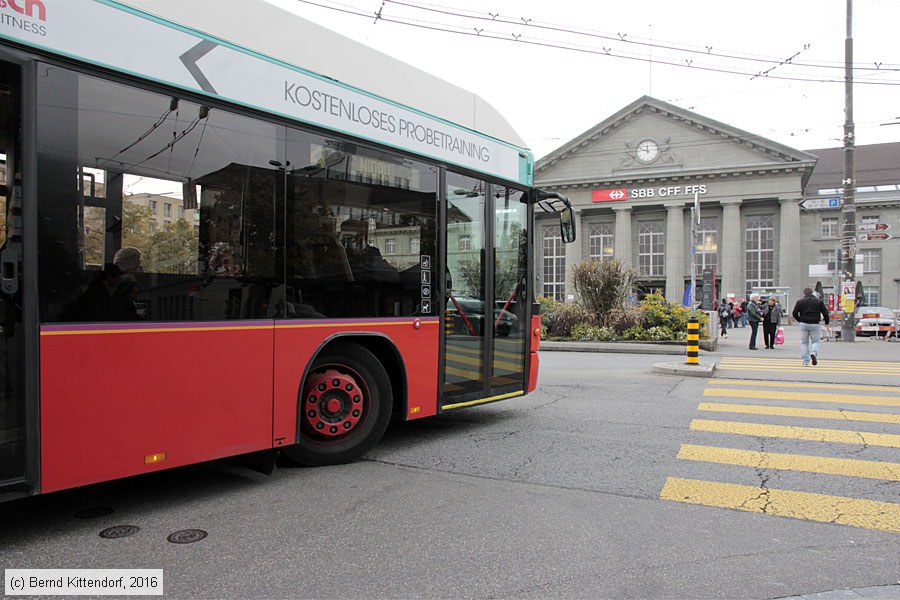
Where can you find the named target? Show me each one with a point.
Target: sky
(556, 69)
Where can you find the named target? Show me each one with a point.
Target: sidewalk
(736, 345)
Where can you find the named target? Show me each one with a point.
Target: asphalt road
(565, 493)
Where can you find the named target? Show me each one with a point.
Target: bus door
(12, 343)
(485, 310)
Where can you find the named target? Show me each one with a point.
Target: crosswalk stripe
(798, 365)
(803, 396)
(810, 413)
(807, 370)
(799, 384)
(841, 436)
(792, 462)
(836, 362)
(867, 514)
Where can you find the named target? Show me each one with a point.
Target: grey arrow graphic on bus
(190, 59)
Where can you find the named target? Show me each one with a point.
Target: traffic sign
(874, 227)
(874, 236)
(819, 203)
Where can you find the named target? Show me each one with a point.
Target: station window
(602, 241)
(829, 227)
(760, 251)
(554, 271)
(651, 248)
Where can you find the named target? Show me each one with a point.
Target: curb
(685, 370)
(677, 349)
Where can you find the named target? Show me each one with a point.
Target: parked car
(876, 321)
(505, 322)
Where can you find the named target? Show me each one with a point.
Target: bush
(658, 312)
(565, 317)
(635, 334)
(605, 289)
(583, 332)
(559, 318)
(605, 334)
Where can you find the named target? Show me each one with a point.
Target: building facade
(634, 178)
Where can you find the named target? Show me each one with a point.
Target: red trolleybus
(211, 247)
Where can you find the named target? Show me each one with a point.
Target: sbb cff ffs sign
(621, 194)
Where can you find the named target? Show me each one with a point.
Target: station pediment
(652, 138)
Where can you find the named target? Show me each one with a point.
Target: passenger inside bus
(222, 261)
(366, 260)
(129, 260)
(95, 303)
(123, 305)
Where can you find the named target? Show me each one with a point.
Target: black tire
(344, 379)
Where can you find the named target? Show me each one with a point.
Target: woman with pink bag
(771, 322)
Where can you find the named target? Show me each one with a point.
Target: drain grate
(119, 531)
(95, 512)
(187, 536)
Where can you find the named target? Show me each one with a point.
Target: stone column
(732, 242)
(789, 264)
(675, 252)
(623, 234)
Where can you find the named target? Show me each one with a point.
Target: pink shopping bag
(779, 336)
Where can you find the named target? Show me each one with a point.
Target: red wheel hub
(332, 402)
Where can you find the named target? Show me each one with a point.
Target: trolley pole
(693, 330)
(848, 211)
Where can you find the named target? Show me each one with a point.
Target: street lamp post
(848, 212)
(693, 331)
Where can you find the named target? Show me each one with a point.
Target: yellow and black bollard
(693, 341)
(448, 322)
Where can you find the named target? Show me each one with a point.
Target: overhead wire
(607, 51)
(706, 50)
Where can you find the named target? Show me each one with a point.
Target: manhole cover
(119, 531)
(187, 536)
(94, 512)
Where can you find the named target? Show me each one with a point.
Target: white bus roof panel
(250, 55)
(270, 30)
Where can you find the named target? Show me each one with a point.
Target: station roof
(875, 164)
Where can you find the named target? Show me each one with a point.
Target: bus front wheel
(345, 407)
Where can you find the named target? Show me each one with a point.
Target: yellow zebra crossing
(794, 365)
(850, 408)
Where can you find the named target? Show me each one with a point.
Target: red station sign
(611, 195)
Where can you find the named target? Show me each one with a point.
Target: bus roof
(273, 31)
(272, 60)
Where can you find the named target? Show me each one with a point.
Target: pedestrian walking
(754, 316)
(724, 312)
(808, 311)
(771, 322)
(743, 305)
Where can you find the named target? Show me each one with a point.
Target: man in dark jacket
(808, 311)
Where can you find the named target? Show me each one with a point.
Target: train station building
(769, 214)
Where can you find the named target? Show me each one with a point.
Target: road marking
(835, 362)
(803, 396)
(792, 462)
(840, 510)
(810, 413)
(793, 365)
(797, 384)
(840, 436)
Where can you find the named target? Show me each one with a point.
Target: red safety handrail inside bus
(462, 314)
(506, 306)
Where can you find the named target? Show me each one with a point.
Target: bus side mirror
(567, 225)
